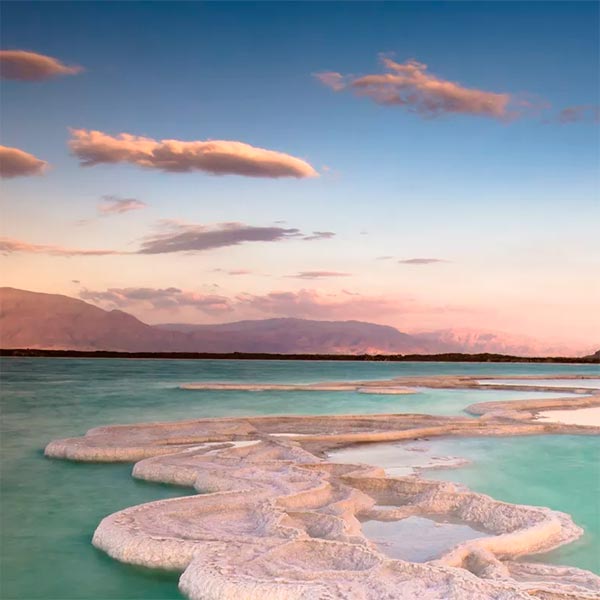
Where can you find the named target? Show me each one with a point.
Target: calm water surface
(51, 508)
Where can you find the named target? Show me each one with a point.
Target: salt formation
(275, 520)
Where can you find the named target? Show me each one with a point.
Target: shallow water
(51, 508)
(417, 539)
(559, 471)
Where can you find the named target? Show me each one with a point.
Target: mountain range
(56, 322)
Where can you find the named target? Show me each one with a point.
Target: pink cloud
(10, 246)
(239, 272)
(30, 66)
(216, 157)
(319, 274)
(158, 298)
(305, 303)
(412, 87)
(113, 205)
(17, 163)
(233, 272)
(314, 304)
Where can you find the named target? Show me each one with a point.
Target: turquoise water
(561, 472)
(49, 509)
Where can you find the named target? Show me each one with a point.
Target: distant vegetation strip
(448, 357)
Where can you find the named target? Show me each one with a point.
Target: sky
(422, 165)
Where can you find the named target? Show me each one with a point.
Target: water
(561, 472)
(418, 539)
(51, 508)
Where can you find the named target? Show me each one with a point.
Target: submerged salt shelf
(397, 459)
(591, 384)
(559, 472)
(418, 539)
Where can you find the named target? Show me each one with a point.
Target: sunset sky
(423, 165)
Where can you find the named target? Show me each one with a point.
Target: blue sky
(512, 206)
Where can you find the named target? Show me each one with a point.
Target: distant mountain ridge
(56, 322)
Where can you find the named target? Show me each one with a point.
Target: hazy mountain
(289, 335)
(474, 341)
(52, 321)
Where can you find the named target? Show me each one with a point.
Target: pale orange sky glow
(373, 176)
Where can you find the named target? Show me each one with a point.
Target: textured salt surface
(277, 521)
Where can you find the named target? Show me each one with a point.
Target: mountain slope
(288, 335)
(51, 321)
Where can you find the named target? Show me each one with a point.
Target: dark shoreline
(448, 357)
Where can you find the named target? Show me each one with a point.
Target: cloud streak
(319, 235)
(410, 86)
(18, 163)
(158, 298)
(113, 205)
(21, 65)
(184, 237)
(216, 157)
(11, 246)
(577, 114)
(172, 236)
(305, 303)
(313, 304)
(421, 261)
(319, 274)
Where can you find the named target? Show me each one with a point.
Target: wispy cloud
(10, 246)
(174, 236)
(17, 163)
(31, 66)
(114, 205)
(421, 261)
(314, 304)
(233, 271)
(319, 274)
(411, 86)
(216, 157)
(184, 237)
(577, 114)
(319, 235)
(305, 303)
(166, 298)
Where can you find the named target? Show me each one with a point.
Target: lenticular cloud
(411, 86)
(21, 65)
(217, 157)
(18, 163)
